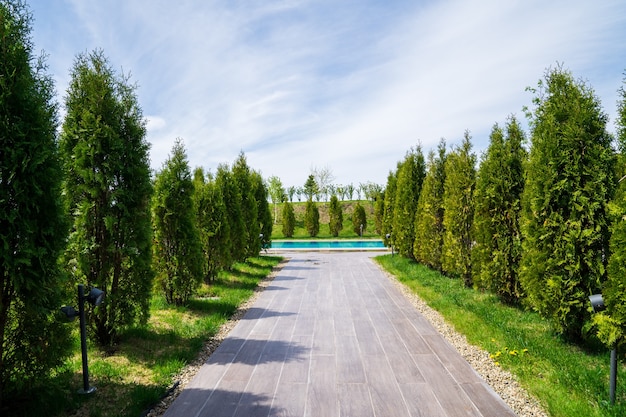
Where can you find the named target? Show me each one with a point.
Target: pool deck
(332, 336)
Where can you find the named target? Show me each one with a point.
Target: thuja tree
(212, 223)
(459, 211)
(177, 245)
(499, 185)
(335, 214)
(612, 322)
(242, 176)
(570, 179)
(105, 154)
(33, 226)
(411, 173)
(312, 218)
(289, 219)
(390, 198)
(428, 245)
(264, 215)
(232, 200)
(359, 219)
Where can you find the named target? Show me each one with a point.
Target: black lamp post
(597, 303)
(94, 297)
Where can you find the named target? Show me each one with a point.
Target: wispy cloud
(348, 85)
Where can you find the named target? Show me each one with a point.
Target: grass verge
(568, 380)
(136, 374)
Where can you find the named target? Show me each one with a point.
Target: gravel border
(501, 381)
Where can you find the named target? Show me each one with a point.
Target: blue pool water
(328, 244)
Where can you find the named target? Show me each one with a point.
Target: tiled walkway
(332, 336)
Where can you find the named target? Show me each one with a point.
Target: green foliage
(310, 187)
(611, 324)
(264, 219)
(107, 170)
(335, 216)
(242, 176)
(212, 223)
(312, 218)
(411, 173)
(389, 206)
(289, 219)
(459, 211)
(379, 212)
(232, 200)
(33, 226)
(177, 245)
(359, 219)
(569, 181)
(497, 251)
(429, 230)
(277, 193)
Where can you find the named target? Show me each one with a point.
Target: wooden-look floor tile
(329, 337)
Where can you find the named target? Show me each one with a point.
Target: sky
(347, 86)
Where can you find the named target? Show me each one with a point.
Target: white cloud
(351, 86)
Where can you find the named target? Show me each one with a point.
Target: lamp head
(597, 303)
(95, 296)
(69, 312)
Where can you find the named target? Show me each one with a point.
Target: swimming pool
(371, 244)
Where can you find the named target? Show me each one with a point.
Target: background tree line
(81, 205)
(539, 220)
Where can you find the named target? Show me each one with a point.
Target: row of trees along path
(84, 208)
(539, 225)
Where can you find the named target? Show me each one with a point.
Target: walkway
(332, 336)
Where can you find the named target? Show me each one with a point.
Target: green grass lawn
(567, 380)
(135, 374)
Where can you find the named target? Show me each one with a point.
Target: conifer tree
(570, 179)
(242, 175)
(264, 215)
(429, 229)
(612, 322)
(459, 213)
(178, 249)
(311, 188)
(335, 216)
(411, 173)
(33, 226)
(232, 200)
(289, 219)
(212, 223)
(497, 251)
(359, 219)
(312, 218)
(389, 207)
(107, 170)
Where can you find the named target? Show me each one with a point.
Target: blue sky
(347, 85)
